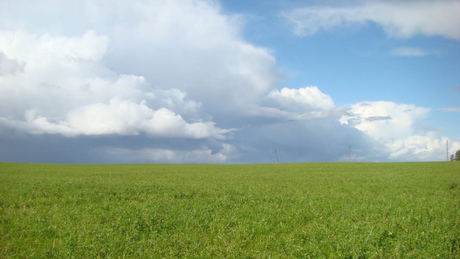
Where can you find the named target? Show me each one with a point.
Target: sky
(230, 81)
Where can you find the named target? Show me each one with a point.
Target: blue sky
(198, 81)
(351, 61)
(359, 63)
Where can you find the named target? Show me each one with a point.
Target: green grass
(314, 210)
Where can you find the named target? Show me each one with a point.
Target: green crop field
(311, 210)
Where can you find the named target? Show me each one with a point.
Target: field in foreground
(314, 210)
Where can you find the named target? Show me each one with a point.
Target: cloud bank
(174, 81)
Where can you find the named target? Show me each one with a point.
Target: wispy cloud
(450, 109)
(409, 52)
(402, 19)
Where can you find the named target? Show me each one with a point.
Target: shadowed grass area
(316, 210)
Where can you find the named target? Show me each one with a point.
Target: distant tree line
(455, 157)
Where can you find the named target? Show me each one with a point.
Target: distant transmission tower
(275, 157)
(349, 153)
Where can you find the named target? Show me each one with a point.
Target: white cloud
(121, 117)
(125, 117)
(185, 45)
(400, 128)
(385, 120)
(64, 89)
(176, 100)
(398, 18)
(301, 100)
(193, 47)
(409, 52)
(426, 147)
(295, 104)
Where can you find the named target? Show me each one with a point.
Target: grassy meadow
(311, 210)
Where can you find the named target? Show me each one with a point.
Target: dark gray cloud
(294, 141)
(20, 147)
(305, 141)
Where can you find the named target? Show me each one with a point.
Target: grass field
(312, 210)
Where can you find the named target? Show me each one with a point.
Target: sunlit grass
(316, 210)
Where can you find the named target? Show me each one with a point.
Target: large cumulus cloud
(64, 89)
